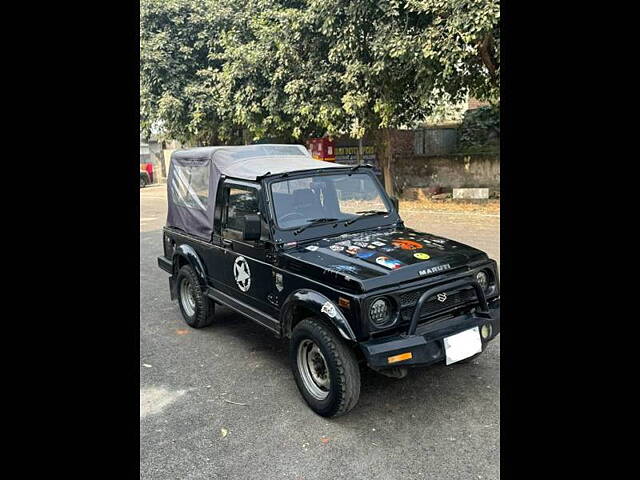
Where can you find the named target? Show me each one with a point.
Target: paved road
(438, 423)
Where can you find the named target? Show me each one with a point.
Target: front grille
(408, 301)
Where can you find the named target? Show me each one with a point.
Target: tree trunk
(485, 51)
(163, 168)
(385, 158)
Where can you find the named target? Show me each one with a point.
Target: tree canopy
(223, 71)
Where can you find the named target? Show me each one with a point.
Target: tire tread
(204, 315)
(348, 380)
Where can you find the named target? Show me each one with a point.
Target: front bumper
(426, 343)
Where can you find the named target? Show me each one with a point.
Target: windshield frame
(367, 222)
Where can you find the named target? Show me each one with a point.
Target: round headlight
(379, 312)
(485, 331)
(481, 278)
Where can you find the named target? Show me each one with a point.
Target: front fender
(318, 304)
(191, 257)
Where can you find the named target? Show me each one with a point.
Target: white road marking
(153, 399)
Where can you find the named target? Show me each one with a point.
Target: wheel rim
(186, 297)
(313, 369)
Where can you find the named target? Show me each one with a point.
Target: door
(242, 270)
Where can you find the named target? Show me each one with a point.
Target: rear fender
(186, 254)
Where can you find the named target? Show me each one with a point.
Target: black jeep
(316, 252)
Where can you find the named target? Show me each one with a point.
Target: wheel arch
(304, 303)
(186, 255)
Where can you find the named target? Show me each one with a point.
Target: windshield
(301, 201)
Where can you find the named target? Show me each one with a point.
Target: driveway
(221, 403)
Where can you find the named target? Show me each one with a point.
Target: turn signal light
(344, 302)
(400, 357)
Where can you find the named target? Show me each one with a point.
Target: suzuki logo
(442, 297)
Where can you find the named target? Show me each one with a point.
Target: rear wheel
(325, 368)
(143, 182)
(197, 309)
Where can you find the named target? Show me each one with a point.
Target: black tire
(143, 182)
(202, 314)
(341, 363)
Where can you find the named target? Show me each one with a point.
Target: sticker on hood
(343, 268)
(407, 244)
(390, 263)
(437, 240)
(429, 243)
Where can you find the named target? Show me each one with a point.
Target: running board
(252, 313)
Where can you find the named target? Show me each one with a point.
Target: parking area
(221, 402)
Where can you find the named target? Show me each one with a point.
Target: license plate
(462, 345)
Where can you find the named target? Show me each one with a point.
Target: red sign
(323, 149)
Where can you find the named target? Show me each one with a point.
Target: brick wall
(404, 169)
(448, 172)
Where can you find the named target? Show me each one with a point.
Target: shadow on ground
(379, 394)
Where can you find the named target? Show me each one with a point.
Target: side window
(190, 186)
(241, 201)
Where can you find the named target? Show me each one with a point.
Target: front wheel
(325, 368)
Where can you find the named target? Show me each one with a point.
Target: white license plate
(462, 345)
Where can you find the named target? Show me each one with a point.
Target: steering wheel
(291, 214)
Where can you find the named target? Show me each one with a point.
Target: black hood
(383, 258)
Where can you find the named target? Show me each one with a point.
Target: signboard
(348, 155)
(322, 149)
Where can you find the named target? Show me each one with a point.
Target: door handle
(227, 243)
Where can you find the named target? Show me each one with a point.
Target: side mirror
(396, 203)
(251, 227)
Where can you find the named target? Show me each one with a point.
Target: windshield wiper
(314, 221)
(365, 213)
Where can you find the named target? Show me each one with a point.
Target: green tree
(177, 75)
(219, 70)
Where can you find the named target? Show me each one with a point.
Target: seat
(307, 203)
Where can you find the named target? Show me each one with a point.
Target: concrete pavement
(440, 422)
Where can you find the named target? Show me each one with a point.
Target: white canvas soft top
(249, 162)
(194, 174)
